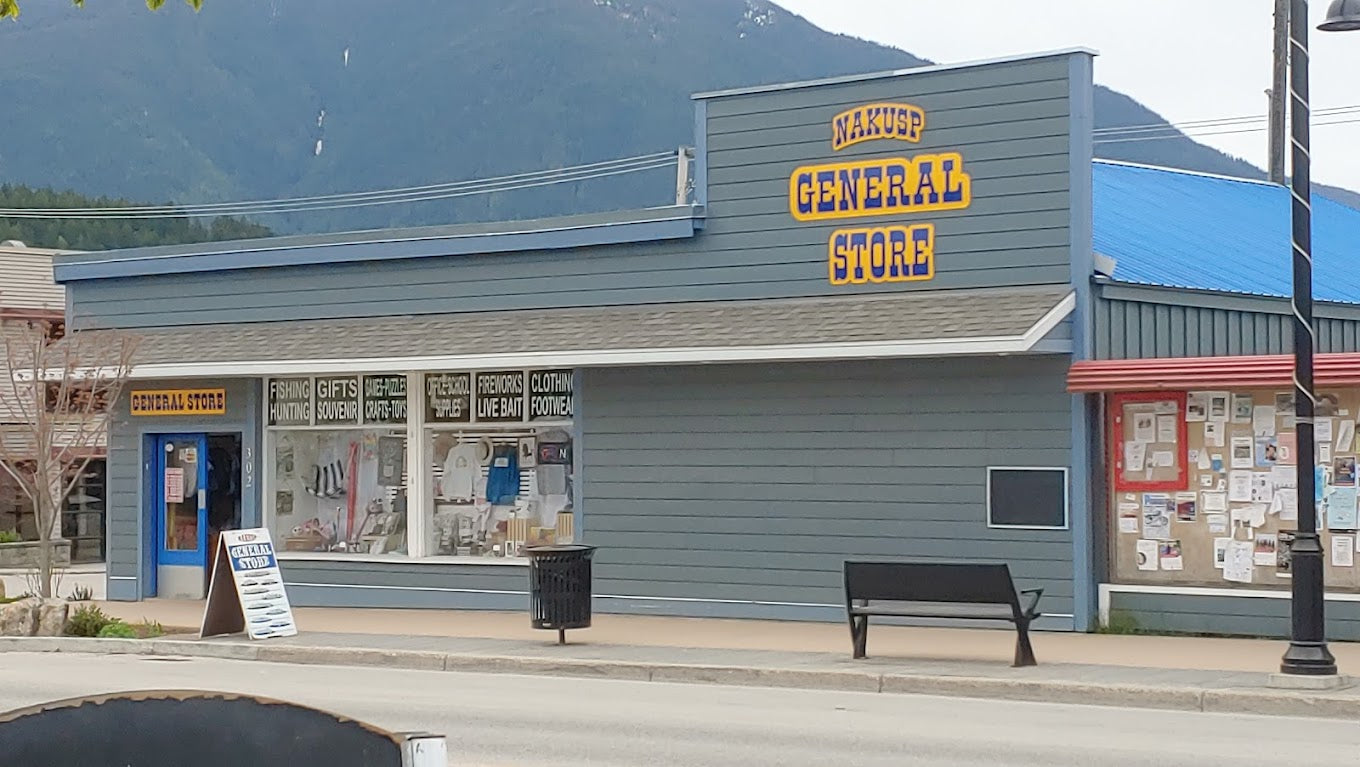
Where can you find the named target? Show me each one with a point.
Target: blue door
(180, 508)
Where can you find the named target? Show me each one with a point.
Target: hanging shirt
(460, 472)
(502, 480)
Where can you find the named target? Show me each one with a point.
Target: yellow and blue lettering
(887, 186)
(904, 122)
(955, 189)
(838, 263)
(803, 194)
(926, 181)
(881, 254)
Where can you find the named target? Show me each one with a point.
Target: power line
(110, 215)
(1214, 122)
(482, 188)
(1190, 136)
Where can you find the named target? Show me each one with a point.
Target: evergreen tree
(108, 233)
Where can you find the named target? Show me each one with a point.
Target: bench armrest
(1035, 595)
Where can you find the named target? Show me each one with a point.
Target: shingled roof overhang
(916, 324)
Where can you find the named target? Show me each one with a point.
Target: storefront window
(337, 451)
(500, 473)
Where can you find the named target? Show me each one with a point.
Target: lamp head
(1342, 16)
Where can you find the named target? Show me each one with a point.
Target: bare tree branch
(62, 386)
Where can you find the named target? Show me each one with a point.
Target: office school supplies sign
(890, 186)
(246, 592)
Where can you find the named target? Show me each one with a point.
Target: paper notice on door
(1239, 486)
(1214, 502)
(1218, 523)
(174, 485)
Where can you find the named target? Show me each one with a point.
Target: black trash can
(559, 587)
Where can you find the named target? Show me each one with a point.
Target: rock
(19, 619)
(52, 618)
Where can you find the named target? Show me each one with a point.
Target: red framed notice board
(1149, 441)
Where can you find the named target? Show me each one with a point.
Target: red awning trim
(1184, 373)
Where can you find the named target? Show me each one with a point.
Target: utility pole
(1279, 92)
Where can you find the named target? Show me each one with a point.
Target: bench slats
(952, 590)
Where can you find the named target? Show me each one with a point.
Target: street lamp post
(1307, 654)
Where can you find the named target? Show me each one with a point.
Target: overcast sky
(1186, 59)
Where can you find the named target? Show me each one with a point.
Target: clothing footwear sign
(550, 394)
(246, 592)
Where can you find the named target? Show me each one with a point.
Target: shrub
(81, 594)
(149, 629)
(87, 621)
(116, 629)
(9, 536)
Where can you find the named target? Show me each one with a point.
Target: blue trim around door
(199, 556)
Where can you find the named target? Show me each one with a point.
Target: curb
(1240, 700)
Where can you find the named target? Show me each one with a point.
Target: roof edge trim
(1183, 171)
(655, 224)
(845, 79)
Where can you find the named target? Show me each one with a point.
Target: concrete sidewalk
(1222, 675)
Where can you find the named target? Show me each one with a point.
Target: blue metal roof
(1188, 230)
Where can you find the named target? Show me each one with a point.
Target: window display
(492, 467)
(341, 491)
(500, 474)
(337, 448)
(494, 494)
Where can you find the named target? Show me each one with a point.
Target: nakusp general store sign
(892, 186)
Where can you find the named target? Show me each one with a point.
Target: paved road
(498, 721)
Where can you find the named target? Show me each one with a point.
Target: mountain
(227, 104)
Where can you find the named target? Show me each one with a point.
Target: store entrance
(196, 494)
(224, 491)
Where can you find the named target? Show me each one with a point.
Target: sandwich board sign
(246, 591)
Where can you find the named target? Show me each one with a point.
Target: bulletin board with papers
(1224, 511)
(1150, 440)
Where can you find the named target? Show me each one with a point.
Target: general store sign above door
(891, 186)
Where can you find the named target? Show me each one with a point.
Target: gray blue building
(899, 315)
